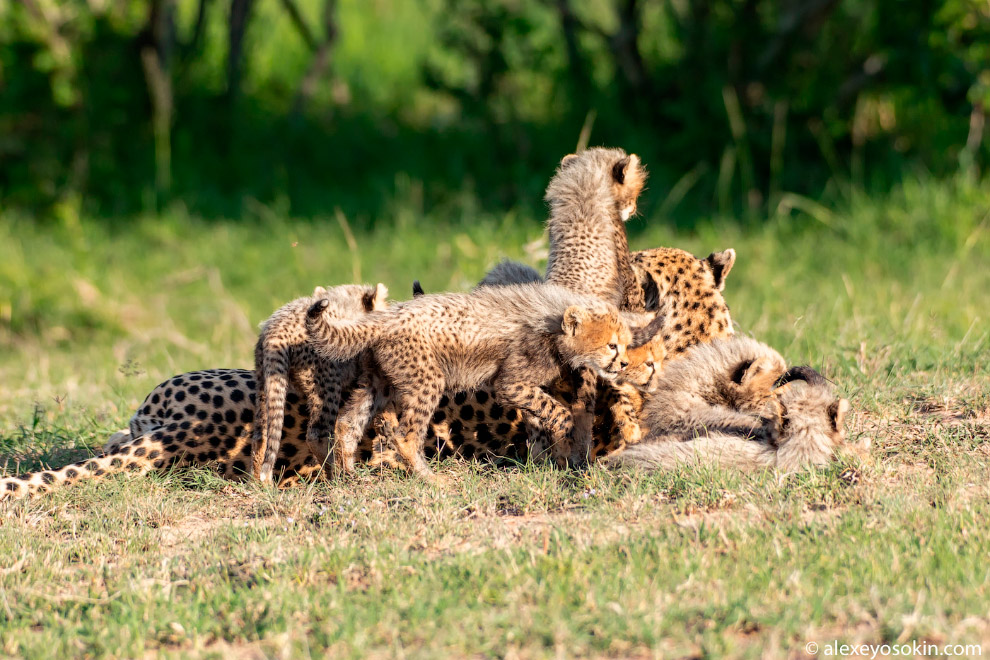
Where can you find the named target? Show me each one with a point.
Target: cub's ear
(317, 308)
(568, 160)
(574, 316)
(757, 375)
(418, 289)
(721, 263)
(837, 412)
(619, 169)
(376, 300)
(320, 292)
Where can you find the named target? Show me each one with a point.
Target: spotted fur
(516, 339)
(283, 353)
(206, 418)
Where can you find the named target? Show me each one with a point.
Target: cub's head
(645, 365)
(349, 300)
(595, 339)
(813, 418)
(687, 292)
(623, 173)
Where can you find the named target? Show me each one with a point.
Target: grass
(888, 296)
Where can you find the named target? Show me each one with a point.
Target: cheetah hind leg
(324, 404)
(417, 411)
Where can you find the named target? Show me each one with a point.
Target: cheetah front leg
(546, 411)
(625, 408)
(583, 414)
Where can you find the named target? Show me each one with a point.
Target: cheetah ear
(568, 160)
(619, 170)
(418, 289)
(574, 316)
(757, 375)
(320, 292)
(837, 412)
(376, 300)
(721, 263)
(317, 308)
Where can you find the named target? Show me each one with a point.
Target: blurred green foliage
(305, 106)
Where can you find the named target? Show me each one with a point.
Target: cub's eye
(613, 347)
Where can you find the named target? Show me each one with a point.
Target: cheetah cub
(591, 196)
(283, 354)
(514, 338)
(642, 376)
(726, 385)
(811, 431)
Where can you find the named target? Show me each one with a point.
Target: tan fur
(282, 354)
(194, 432)
(682, 289)
(725, 385)
(592, 194)
(642, 376)
(812, 430)
(516, 338)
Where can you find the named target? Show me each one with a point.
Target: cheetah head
(351, 300)
(813, 419)
(624, 173)
(687, 291)
(645, 364)
(595, 339)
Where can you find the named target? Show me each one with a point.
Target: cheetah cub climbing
(591, 196)
(283, 354)
(515, 338)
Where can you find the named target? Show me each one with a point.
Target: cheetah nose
(623, 364)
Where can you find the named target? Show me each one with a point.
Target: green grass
(889, 296)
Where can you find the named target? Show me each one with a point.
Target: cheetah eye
(613, 347)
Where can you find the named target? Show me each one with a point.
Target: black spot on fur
(202, 414)
(204, 397)
(460, 398)
(140, 451)
(292, 398)
(289, 450)
(481, 396)
(236, 396)
(47, 477)
(217, 401)
(116, 463)
(466, 412)
(247, 415)
(180, 396)
(439, 416)
(239, 466)
(289, 422)
(71, 474)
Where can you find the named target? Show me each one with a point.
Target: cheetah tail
(340, 339)
(270, 413)
(723, 451)
(138, 456)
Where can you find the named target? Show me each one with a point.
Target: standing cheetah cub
(283, 354)
(592, 194)
(516, 338)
